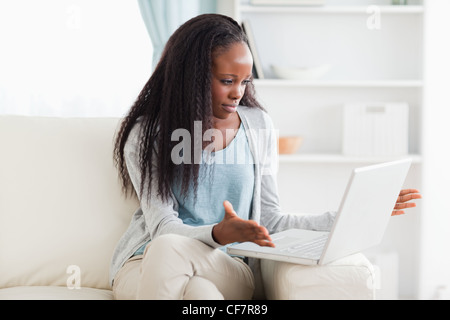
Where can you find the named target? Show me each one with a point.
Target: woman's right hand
(235, 229)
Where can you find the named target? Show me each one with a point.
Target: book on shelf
(258, 72)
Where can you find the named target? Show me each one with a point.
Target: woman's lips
(229, 107)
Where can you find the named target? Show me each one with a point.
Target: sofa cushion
(61, 206)
(54, 293)
(351, 277)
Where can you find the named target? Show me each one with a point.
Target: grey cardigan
(155, 217)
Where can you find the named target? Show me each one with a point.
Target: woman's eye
(230, 82)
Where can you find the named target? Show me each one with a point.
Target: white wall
(435, 220)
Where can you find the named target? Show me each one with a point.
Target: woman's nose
(237, 92)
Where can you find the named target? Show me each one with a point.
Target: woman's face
(231, 72)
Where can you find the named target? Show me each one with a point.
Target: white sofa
(62, 212)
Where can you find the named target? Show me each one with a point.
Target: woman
(199, 151)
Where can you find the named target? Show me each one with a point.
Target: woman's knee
(165, 244)
(199, 288)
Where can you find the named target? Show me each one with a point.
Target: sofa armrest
(349, 278)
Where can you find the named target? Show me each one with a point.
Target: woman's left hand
(402, 201)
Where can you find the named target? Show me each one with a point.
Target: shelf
(339, 84)
(341, 159)
(407, 9)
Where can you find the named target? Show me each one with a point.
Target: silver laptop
(360, 222)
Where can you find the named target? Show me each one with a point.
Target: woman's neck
(226, 126)
(232, 122)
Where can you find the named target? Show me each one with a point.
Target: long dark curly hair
(177, 94)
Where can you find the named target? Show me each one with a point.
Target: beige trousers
(177, 267)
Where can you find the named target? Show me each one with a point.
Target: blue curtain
(163, 17)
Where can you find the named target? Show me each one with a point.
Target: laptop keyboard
(311, 249)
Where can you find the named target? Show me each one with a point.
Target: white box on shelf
(375, 129)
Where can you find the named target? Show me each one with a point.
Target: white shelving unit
(349, 84)
(383, 64)
(389, 9)
(339, 159)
